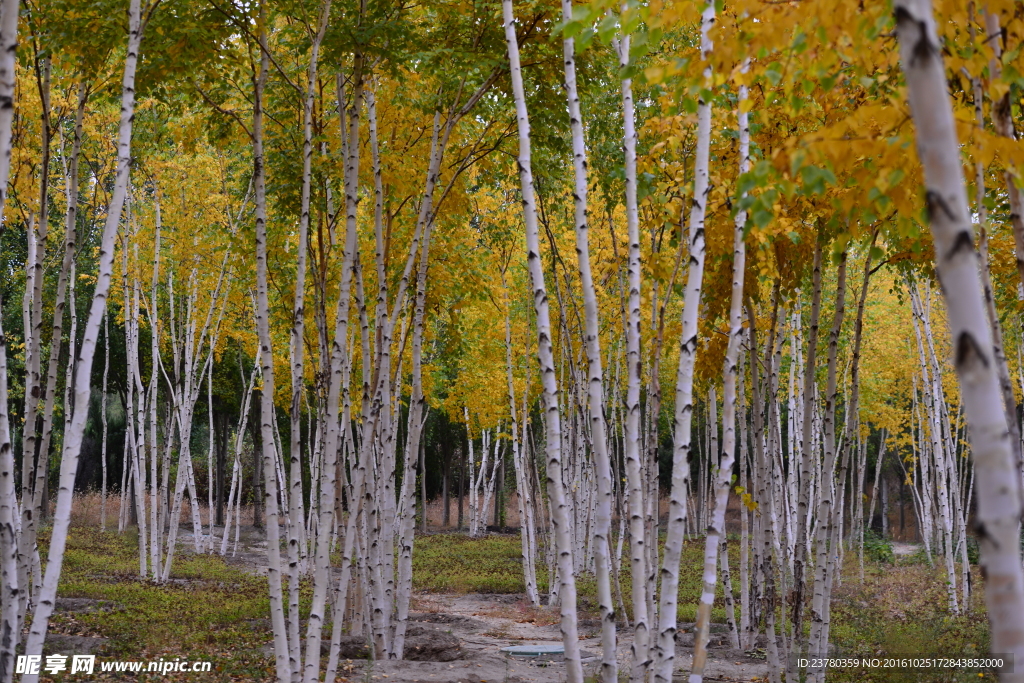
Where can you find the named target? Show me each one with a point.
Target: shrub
(877, 548)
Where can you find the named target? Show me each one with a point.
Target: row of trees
(739, 191)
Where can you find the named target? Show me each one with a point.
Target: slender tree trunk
(334, 432)
(12, 585)
(682, 427)
(210, 446)
(806, 464)
(284, 665)
(826, 499)
(634, 470)
(417, 416)
(769, 548)
(36, 444)
(595, 380)
(296, 541)
(716, 530)
(519, 465)
(9, 635)
(83, 371)
(556, 491)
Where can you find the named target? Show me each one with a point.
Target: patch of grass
(903, 610)
(454, 563)
(204, 616)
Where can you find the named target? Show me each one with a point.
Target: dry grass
(86, 510)
(428, 605)
(435, 512)
(522, 612)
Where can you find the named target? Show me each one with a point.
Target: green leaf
(607, 28)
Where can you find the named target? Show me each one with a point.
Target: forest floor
(216, 609)
(450, 570)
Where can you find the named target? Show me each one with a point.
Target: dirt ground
(486, 623)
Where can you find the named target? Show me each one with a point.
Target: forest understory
(214, 609)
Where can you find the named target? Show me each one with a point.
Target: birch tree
(682, 426)
(9, 598)
(726, 460)
(73, 439)
(957, 268)
(556, 493)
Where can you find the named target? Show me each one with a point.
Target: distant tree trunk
(998, 480)
(222, 438)
(519, 465)
(462, 475)
(423, 485)
(875, 489)
(499, 501)
(446, 515)
(903, 516)
(257, 468)
(236, 470)
(885, 507)
(103, 420)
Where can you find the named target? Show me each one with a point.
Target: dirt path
(904, 549)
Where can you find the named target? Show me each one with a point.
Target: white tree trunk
(556, 491)
(999, 498)
(12, 587)
(284, 666)
(595, 379)
(337, 432)
(634, 468)
(716, 531)
(682, 427)
(73, 439)
(826, 496)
